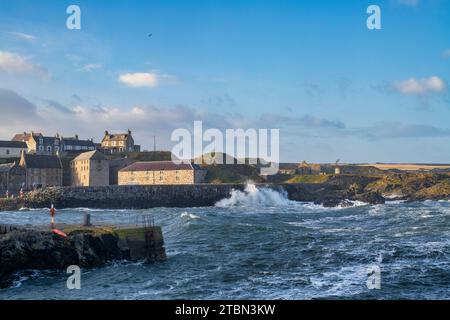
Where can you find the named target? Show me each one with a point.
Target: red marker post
(54, 230)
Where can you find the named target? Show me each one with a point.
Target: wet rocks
(39, 249)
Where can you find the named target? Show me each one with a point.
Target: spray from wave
(253, 196)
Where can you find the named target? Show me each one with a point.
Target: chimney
(129, 132)
(76, 136)
(106, 132)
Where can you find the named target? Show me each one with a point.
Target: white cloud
(23, 36)
(413, 86)
(149, 80)
(90, 67)
(446, 54)
(15, 63)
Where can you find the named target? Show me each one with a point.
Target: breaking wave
(253, 196)
(189, 215)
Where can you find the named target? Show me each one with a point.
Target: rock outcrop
(84, 247)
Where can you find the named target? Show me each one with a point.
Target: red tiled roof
(157, 166)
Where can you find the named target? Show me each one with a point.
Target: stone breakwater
(26, 249)
(333, 192)
(330, 193)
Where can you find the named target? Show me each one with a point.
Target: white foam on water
(253, 196)
(189, 215)
(345, 281)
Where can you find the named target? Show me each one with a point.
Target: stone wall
(43, 176)
(89, 172)
(22, 249)
(156, 177)
(199, 195)
(129, 196)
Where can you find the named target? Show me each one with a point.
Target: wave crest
(253, 196)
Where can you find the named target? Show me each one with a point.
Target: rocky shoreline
(86, 247)
(337, 190)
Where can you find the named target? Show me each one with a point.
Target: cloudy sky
(335, 89)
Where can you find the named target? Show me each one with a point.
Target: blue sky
(334, 88)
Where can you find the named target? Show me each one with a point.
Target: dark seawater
(259, 245)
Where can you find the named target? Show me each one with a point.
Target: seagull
(150, 35)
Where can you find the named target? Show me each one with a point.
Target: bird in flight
(150, 35)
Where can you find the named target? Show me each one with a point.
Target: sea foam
(253, 196)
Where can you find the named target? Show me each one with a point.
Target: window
(7, 151)
(41, 148)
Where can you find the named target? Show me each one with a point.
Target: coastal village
(31, 161)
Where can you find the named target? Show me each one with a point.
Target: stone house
(12, 177)
(74, 144)
(313, 168)
(41, 170)
(12, 149)
(119, 142)
(160, 172)
(90, 169)
(287, 168)
(40, 144)
(115, 165)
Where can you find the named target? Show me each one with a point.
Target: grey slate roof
(13, 144)
(41, 161)
(115, 137)
(90, 155)
(157, 166)
(76, 142)
(6, 167)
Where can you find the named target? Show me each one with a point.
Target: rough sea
(259, 245)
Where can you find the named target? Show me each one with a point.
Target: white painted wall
(11, 152)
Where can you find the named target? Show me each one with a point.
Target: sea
(257, 244)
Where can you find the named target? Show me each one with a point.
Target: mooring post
(87, 220)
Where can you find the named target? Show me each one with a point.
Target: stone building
(310, 168)
(160, 172)
(40, 144)
(90, 169)
(12, 149)
(74, 144)
(12, 177)
(41, 170)
(287, 168)
(119, 142)
(115, 165)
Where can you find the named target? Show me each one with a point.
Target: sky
(334, 88)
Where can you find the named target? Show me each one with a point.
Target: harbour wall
(199, 195)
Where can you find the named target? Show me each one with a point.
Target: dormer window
(41, 141)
